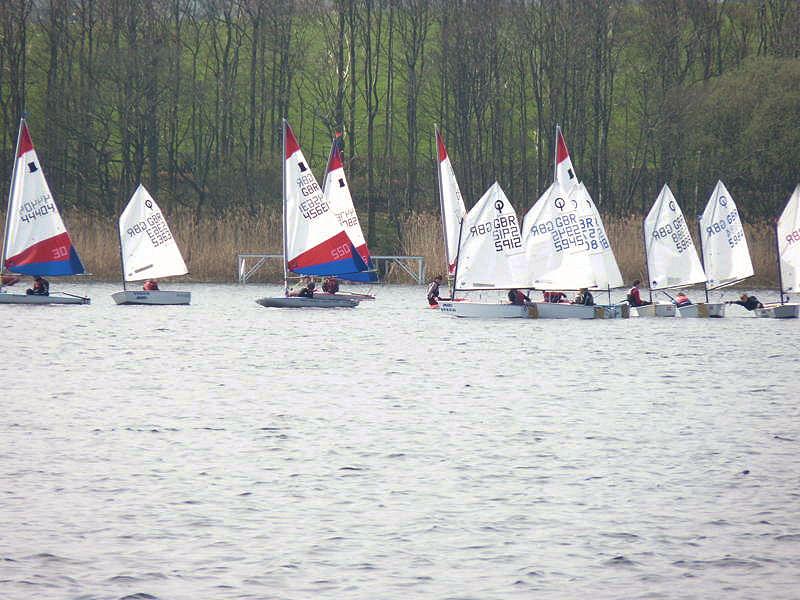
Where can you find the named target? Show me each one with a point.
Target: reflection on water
(226, 450)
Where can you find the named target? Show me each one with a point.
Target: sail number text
(793, 236)
(726, 224)
(313, 203)
(571, 231)
(504, 230)
(678, 232)
(40, 206)
(155, 227)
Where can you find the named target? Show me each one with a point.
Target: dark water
(226, 450)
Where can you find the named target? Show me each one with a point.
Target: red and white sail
(564, 171)
(36, 241)
(452, 204)
(314, 241)
(789, 244)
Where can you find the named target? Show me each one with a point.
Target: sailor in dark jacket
(749, 302)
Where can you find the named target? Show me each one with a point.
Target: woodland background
(187, 97)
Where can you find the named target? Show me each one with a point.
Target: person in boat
(330, 285)
(9, 279)
(584, 297)
(748, 301)
(518, 297)
(433, 291)
(306, 289)
(554, 297)
(682, 300)
(634, 297)
(41, 287)
(151, 285)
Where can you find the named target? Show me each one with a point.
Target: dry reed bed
(210, 245)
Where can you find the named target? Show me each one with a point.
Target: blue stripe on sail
(363, 276)
(71, 266)
(336, 267)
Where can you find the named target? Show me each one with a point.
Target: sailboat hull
(779, 311)
(654, 310)
(552, 310)
(315, 302)
(703, 310)
(6, 298)
(480, 310)
(155, 297)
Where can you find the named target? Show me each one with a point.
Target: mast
(702, 248)
(778, 255)
(555, 155)
(451, 281)
(8, 210)
(285, 250)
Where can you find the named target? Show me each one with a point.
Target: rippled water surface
(226, 450)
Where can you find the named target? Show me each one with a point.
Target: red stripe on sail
(335, 161)
(364, 252)
(52, 249)
(338, 247)
(25, 143)
(561, 148)
(440, 146)
(291, 142)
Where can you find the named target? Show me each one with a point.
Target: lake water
(225, 450)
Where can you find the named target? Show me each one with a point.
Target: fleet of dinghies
(561, 244)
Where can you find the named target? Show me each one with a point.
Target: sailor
(584, 297)
(518, 297)
(306, 290)
(41, 287)
(682, 300)
(330, 285)
(433, 291)
(634, 298)
(554, 297)
(151, 285)
(748, 301)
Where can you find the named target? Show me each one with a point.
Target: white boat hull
(562, 310)
(779, 311)
(6, 298)
(481, 310)
(654, 310)
(334, 301)
(153, 297)
(703, 310)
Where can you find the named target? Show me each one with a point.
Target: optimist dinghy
(35, 242)
(787, 237)
(148, 251)
(314, 242)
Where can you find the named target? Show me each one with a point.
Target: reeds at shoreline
(210, 245)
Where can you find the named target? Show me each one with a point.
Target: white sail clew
(451, 202)
(789, 244)
(148, 249)
(672, 259)
(491, 255)
(566, 246)
(726, 258)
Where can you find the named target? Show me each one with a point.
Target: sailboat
(314, 243)
(336, 193)
(490, 257)
(451, 202)
(566, 248)
(726, 258)
(672, 260)
(787, 238)
(148, 251)
(35, 241)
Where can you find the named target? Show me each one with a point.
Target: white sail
(565, 242)
(672, 259)
(148, 249)
(726, 258)
(451, 202)
(564, 171)
(789, 244)
(491, 255)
